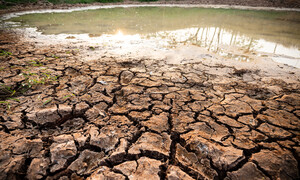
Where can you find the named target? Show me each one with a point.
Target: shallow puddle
(238, 35)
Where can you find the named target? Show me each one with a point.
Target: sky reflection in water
(233, 34)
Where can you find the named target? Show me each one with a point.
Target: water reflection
(233, 34)
(229, 44)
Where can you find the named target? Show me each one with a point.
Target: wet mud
(64, 118)
(269, 4)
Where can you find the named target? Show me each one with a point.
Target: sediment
(64, 118)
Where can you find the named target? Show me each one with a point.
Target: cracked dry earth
(143, 119)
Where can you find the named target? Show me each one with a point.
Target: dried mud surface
(142, 119)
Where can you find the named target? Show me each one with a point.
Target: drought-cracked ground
(62, 118)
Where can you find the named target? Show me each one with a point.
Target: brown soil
(142, 119)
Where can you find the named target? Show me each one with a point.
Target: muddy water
(239, 35)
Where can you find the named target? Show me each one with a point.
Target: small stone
(126, 77)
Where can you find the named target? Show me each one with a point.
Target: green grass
(30, 80)
(8, 103)
(35, 63)
(5, 53)
(19, 1)
(3, 6)
(47, 101)
(7, 3)
(82, 1)
(147, 0)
